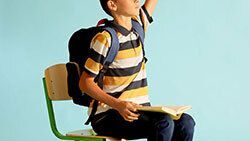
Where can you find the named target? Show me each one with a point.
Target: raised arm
(150, 6)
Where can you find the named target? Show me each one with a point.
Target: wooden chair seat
(91, 134)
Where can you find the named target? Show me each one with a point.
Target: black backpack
(79, 47)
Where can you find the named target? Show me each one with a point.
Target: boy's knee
(187, 122)
(164, 121)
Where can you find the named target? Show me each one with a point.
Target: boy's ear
(112, 5)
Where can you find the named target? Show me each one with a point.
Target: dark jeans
(153, 126)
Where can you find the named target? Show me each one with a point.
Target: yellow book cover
(174, 111)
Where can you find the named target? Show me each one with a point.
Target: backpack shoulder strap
(139, 29)
(114, 47)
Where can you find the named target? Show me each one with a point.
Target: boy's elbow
(82, 84)
(85, 81)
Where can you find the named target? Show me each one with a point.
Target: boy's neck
(124, 22)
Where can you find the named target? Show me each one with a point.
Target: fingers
(131, 106)
(130, 119)
(127, 110)
(134, 106)
(130, 116)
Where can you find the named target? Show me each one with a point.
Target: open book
(174, 111)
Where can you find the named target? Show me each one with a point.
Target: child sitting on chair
(125, 82)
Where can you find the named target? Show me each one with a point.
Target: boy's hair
(104, 4)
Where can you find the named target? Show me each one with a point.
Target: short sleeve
(99, 48)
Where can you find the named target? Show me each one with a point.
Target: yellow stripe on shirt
(129, 53)
(93, 66)
(121, 80)
(118, 81)
(134, 93)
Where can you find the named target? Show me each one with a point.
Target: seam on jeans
(96, 122)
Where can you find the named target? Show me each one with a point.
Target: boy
(125, 84)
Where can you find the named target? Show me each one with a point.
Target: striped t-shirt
(126, 76)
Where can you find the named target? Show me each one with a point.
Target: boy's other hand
(128, 110)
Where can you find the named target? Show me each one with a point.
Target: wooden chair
(55, 86)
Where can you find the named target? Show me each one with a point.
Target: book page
(174, 111)
(177, 109)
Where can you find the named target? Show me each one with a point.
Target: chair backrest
(55, 86)
(56, 82)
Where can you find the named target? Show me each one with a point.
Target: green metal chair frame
(60, 73)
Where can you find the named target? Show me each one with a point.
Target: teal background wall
(198, 55)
